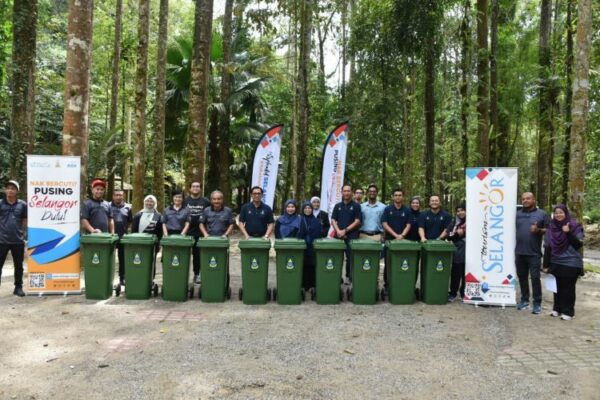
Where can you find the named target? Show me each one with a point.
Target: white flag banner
(490, 275)
(334, 166)
(266, 163)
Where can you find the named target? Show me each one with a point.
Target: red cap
(98, 182)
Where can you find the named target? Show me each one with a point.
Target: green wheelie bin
(176, 267)
(98, 261)
(214, 264)
(402, 259)
(139, 263)
(365, 272)
(435, 277)
(329, 262)
(255, 271)
(290, 267)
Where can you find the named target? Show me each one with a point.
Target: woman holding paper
(563, 259)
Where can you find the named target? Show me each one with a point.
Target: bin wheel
(118, 290)
(383, 294)
(229, 293)
(302, 294)
(312, 293)
(240, 293)
(200, 292)
(191, 292)
(349, 294)
(273, 294)
(341, 294)
(155, 289)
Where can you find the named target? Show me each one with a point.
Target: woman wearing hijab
(288, 224)
(310, 229)
(458, 237)
(415, 213)
(148, 220)
(563, 259)
(320, 215)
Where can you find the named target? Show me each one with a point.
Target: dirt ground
(58, 347)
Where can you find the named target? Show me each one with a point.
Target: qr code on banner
(37, 281)
(473, 289)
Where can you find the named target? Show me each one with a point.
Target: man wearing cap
(196, 203)
(13, 221)
(122, 217)
(96, 216)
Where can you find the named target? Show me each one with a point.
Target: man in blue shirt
(396, 222)
(435, 222)
(256, 218)
(346, 219)
(13, 224)
(531, 227)
(122, 218)
(372, 210)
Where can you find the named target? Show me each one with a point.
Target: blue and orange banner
(53, 203)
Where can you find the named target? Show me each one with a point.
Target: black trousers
(529, 265)
(196, 256)
(457, 279)
(348, 252)
(566, 281)
(18, 254)
(121, 258)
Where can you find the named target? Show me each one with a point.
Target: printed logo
(95, 259)
(290, 264)
(136, 259)
(254, 264)
(329, 264)
(212, 263)
(175, 261)
(366, 264)
(440, 266)
(404, 266)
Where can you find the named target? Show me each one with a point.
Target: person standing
(458, 237)
(148, 220)
(256, 218)
(372, 211)
(396, 223)
(435, 222)
(359, 193)
(13, 222)
(320, 215)
(196, 203)
(176, 218)
(346, 219)
(122, 217)
(216, 220)
(563, 259)
(96, 216)
(310, 230)
(415, 215)
(531, 227)
(288, 224)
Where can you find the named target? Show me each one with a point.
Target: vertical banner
(266, 163)
(491, 231)
(53, 187)
(334, 166)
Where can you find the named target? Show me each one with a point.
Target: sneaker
(197, 279)
(19, 291)
(566, 317)
(524, 305)
(537, 309)
(122, 282)
(451, 298)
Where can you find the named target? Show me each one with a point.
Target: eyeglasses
(256, 193)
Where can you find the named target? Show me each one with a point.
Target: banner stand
(266, 163)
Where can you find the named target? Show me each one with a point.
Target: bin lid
(439, 246)
(98, 238)
(329, 244)
(365, 244)
(138, 238)
(213, 242)
(290, 244)
(403, 245)
(177, 241)
(255, 243)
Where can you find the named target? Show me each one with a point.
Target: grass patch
(591, 268)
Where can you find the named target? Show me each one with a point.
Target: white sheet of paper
(550, 282)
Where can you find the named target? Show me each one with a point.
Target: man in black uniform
(122, 217)
(346, 219)
(13, 222)
(95, 212)
(256, 218)
(196, 204)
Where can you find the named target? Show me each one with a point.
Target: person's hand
(399, 237)
(423, 240)
(96, 231)
(460, 232)
(246, 236)
(534, 228)
(545, 270)
(566, 228)
(267, 237)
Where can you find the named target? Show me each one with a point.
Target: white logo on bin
(95, 259)
(440, 266)
(254, 264)
(290, 264)
(366, 264)
(329, 264)
(212, 263)
(175, 261)
(136, 259)
(404, 266)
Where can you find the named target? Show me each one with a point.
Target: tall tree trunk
(409, 124)
(114, 97)
(568, 100)
(580, 107)
(344, 48)
(465, 63)
(214, 159)
(195, 155)
(225, 142)
(483, 83)
(292, 177)
(494, 126)
(302, 95)
(429, 116)
(158, 182)
(77, 84)
(23, 83)
(141, 88)
(545, 108)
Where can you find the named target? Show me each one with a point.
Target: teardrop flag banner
(266, 163)
(334, 166)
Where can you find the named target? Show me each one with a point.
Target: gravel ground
(69, 347)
